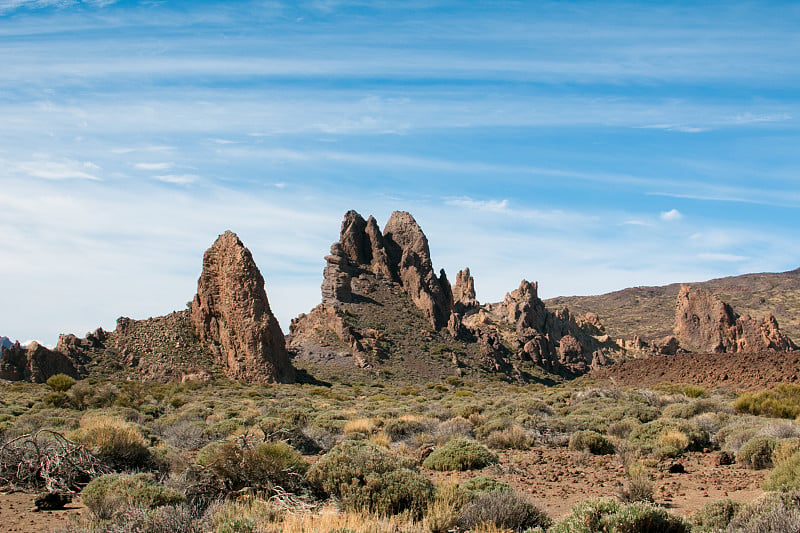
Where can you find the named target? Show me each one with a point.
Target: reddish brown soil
(17, 514)
(732, 371)
(557, 479)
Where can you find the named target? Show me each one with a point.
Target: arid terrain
(401, 403)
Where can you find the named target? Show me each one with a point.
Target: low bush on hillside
(715, 516)
(60, 382)
(108, 495)
(776, 511)
(782, 401)
(264, 466)
(366, 477)
(504, 510)
(649, 435)
(757, 452)
(114, 441)
(600, 516)
(459, 454)
(785, 476)
(592, 442)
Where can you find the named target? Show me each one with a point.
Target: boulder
(231, 314)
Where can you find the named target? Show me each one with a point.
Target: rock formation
(34, 362)
(400, 254)
(554, 340)
(464, 292)
(5, 342)
(231, 314)
(704, 323)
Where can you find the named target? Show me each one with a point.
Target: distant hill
(5, 342)
(650, 311)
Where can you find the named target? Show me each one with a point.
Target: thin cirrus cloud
(536, 140)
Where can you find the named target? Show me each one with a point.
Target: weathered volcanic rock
(400, 254)
(232, 316)
(464, 292)
(555, 340)
(409, 253)
(704, 323)
(34, 363)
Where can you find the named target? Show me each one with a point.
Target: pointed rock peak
(403, 231)
(464, 292)
(232, 316)
(353, 239)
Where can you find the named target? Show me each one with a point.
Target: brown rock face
(231, 314)
(464, 292)
(400, 254)
(703, 323)
(555, 340)
(34, 363)
(407, 249)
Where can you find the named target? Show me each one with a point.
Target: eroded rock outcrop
(232, 316)
(464, 298)
(704, 323)
(555, 340)
(34, 362)
(401, 254)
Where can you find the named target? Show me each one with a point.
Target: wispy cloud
(178, 179)
(57, 170)
(671, 216)
(154, 166)
(479, 205)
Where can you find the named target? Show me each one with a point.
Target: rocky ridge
(369, 272)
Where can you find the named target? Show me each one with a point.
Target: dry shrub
(443, 512)
(757, 452)
(111, 495)
(672, 443)
(513, 438)
(503, 509)
(459, 454)
(774, 512)
(359, 426)
(590, 441)
(113, 440)
(785, 476)
(715, 516)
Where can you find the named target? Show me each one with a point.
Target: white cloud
(66, 169)
(726, 258)
(671, 216)
(480, 205)
(154, 166)
(178, 179)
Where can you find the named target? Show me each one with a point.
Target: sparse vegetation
(459, 454)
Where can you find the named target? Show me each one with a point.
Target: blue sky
(590, 146)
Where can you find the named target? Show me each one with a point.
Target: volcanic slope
(649, 312)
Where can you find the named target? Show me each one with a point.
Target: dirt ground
(17, 514)
(732, 371)
(557, 479)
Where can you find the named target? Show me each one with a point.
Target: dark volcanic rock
(34, 363)
(703, 323)
(232, 316)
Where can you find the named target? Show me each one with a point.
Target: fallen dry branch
(47, 460)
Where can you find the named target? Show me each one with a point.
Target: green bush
(590, 441)
(502, 509)
(782, 401)
(60, 382)
(649, 435)
(262, 466)
(756, 453)
(366, 477)
(459, 454)
(109, 494)
(600, 516)
(715, 516)
(481, 484)
(785, 476)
